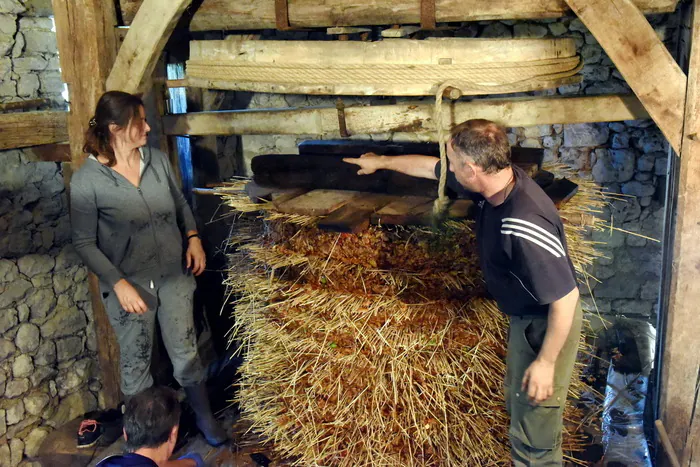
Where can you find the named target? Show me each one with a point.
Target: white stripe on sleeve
(535, 227)
(534, 233)
(533, 240)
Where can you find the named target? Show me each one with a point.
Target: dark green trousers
(535, 431)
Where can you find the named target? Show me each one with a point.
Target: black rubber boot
(199, 401)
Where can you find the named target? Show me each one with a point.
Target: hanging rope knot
(443, 201)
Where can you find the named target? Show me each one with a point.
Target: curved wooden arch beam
(148, 33)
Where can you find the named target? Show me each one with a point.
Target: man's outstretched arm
(413, 164)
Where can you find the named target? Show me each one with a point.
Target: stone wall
(29, 66)
(48, 365)
(627, 158)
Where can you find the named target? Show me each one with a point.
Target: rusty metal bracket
(342, 126)
(282, 15)
(427, 14)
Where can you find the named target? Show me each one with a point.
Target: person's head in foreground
(476, 150)
(151, 423)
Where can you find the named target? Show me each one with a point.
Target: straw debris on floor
(378, 348)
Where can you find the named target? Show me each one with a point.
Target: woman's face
(138, 129)
(135, 134)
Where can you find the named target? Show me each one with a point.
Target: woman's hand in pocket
(129, 298)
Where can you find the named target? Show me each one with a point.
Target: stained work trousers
(170, 300)
(536, 431)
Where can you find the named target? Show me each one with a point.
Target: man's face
(463, 170)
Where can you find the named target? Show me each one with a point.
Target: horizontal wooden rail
(24, 129)
(406, 118)
(260, 14)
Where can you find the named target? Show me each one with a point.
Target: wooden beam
(49, 153)
(406, 118)
(29, 104)
(24, 129)
(87, 44)
(143, 44)
(402, 31)
(85, 64)
(680, 366)
(641, 57)
(389, 68)
(260, 14)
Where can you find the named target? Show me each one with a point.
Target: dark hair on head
(113, 107)
(150, 416)
(484, 141)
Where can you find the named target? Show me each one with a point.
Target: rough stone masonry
(48, 366)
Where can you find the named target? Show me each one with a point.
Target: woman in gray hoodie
(133, 228)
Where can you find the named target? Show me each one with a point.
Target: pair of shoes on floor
(100, 427)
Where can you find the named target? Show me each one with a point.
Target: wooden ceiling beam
(642, 58)
(24, 129)
(143, 44)
(260, 14)
(406, 118)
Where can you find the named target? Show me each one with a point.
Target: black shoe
(89, 433)
(98, 427)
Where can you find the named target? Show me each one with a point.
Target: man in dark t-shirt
(526, 265)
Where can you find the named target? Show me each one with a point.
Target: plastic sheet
(623, 420)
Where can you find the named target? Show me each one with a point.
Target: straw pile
(378, 348)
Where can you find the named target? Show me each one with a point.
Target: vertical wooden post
(680, 364)
(87, 46)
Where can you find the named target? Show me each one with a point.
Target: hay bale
(377, 348)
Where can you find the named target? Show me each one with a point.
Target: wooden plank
(641, 57)
(443, 51)
(260, 14)
(354, 217)
(85, 65)
(680, 365)
(343, 30)
(282, 196)
(317, 202)
(29, 104)
(406, 210)
(388, 67)
(402, 31)
(409, 118)
(24, 129)
(143, 44)
(49, 153)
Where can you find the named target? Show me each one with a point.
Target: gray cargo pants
(170, 301)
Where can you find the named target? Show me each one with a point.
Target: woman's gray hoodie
(124, 231)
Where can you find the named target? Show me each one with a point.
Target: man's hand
(539, 381)
(368, 162)
(129, 298)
